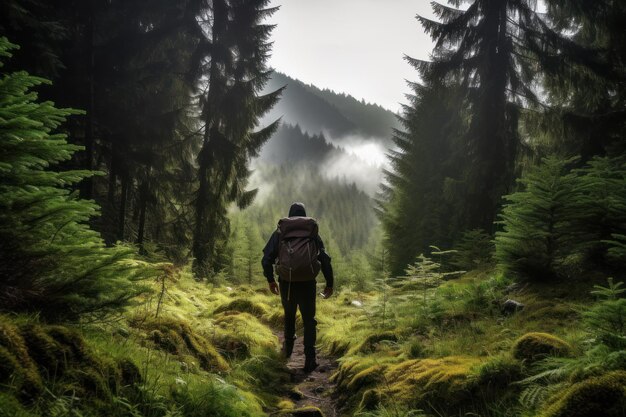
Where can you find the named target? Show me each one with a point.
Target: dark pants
(301, 294)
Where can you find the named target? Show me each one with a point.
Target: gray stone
(511, 307)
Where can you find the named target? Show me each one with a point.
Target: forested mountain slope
(323, 111)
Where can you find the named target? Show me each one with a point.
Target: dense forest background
(478, 237)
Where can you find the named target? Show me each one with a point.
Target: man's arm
(327, 268)
(270, 252)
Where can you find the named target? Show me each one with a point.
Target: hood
(297, 210)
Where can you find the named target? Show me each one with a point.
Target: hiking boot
(287, 349)
(310, 364)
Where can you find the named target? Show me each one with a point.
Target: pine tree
(474, 250)
(420, 200)
(50, 261)
(540, 223)
(492, 49)
(127, 63)
(603, 182)
(231, 110)
(585, 78)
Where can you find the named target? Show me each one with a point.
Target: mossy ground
(450, 350)
(209, 351)
(212, 351)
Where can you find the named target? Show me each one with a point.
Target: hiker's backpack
(297, 249)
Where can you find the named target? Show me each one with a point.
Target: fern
(605, 349)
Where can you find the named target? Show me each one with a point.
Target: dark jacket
(270, 252)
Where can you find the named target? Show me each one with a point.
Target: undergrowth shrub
(603, 182)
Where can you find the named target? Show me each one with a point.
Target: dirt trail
(315, 388)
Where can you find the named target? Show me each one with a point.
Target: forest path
(311, 389)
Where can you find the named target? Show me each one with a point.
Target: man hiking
(299, 253)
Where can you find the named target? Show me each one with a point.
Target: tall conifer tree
(491, 48)
(586, 81)
(231, 109)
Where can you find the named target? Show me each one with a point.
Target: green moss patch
(308, 411)
(243, 305)
(34, 356)
(498, 373)
(178, 338)
(426, 379)
(239, 334)
(535, 346)
(376, 341)
(604, 396)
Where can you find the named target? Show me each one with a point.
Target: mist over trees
(323, 111)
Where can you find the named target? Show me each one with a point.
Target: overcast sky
(351, 46)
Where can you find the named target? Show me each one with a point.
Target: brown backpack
(297, 249)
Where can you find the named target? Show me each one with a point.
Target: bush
(535, 346)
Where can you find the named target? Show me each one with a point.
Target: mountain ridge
(323, 111)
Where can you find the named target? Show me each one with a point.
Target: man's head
(297, 210)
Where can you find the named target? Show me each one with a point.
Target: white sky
(351, 46)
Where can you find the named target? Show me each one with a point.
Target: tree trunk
(143, 203)
(200, 247)
(122, 213)
(87, 183)
(112, 184)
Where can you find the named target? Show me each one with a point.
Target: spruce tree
(603, 183)
(50, 261)
(585, 79)
(231, 110)
(492, 48)
(539, 223)
(419, 202)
